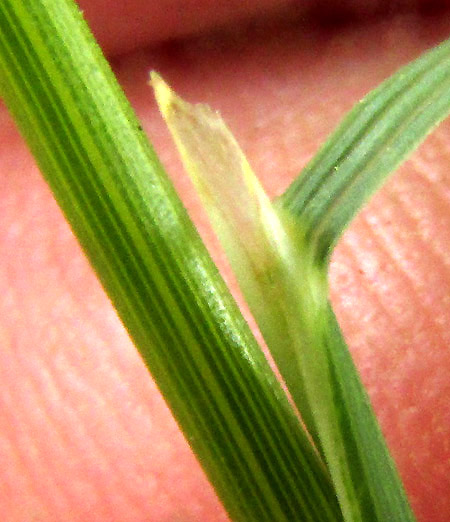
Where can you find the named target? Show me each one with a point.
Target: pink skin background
(84, 433)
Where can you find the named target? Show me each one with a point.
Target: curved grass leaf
(154, 267)
(380, 131)
(369, 144)
(275, 262)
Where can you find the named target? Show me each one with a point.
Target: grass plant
(171, 298)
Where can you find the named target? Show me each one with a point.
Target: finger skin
(121, 26)
(84, 433)
(124, 25)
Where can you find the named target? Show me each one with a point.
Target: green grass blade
(154, 267)
(369, 144)
(286, 289)
(381, 495)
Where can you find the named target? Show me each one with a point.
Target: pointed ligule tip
(165, 97)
